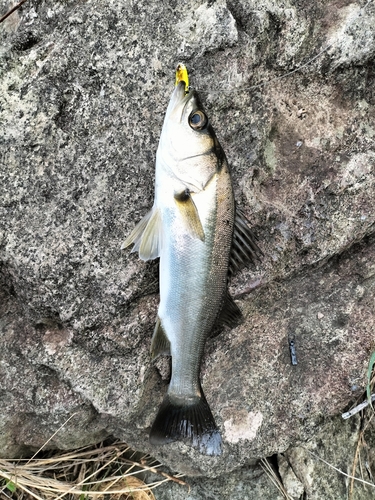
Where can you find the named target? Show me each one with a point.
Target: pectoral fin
(159, 342)
(189, 214)
(244, 248)
(146, 236)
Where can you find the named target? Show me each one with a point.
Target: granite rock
(83, 90)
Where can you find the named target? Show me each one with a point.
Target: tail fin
(193, 422)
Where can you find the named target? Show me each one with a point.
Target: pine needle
(339, 470)
(268, 469)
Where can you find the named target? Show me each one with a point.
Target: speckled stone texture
(83, 91)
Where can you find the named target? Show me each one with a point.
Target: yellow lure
(182, 76)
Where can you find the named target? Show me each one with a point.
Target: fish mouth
(179, 100)
(182, 92)
(181, 96)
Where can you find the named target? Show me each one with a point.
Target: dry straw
(98, 472)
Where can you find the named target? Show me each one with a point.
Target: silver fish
(194, 229)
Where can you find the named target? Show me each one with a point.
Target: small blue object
(292, 348)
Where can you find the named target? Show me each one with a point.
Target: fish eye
(198, 120)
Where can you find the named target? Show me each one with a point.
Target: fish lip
(180, 98)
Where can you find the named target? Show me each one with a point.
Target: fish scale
(201, 275)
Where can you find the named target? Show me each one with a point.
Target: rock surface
(321, 469)
(83, 91)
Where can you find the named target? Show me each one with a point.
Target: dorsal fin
(230, 314)
(159, 342)
(189, 213)
(244, 248)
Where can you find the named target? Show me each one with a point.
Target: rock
(354, 41)
(83, 92)
(321, 468)
(339, 451)
(291, 483)
(246, 483)
(207, 28)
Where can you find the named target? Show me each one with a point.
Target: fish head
(188, 149)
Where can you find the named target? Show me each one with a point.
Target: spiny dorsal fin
(230, 314)
(146, 236)
(244, 248)
(159, 342)
(189, 214)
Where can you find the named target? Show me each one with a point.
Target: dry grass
(111, 472)
(367, 425)
(270, 471)
(362, 450)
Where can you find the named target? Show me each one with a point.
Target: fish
(200, 239)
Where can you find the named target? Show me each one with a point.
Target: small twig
(12, 10)
(355, 462)
(369, 472)
(53, 435)
(357, 409)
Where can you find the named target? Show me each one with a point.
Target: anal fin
(159, 342)
(230, 314)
